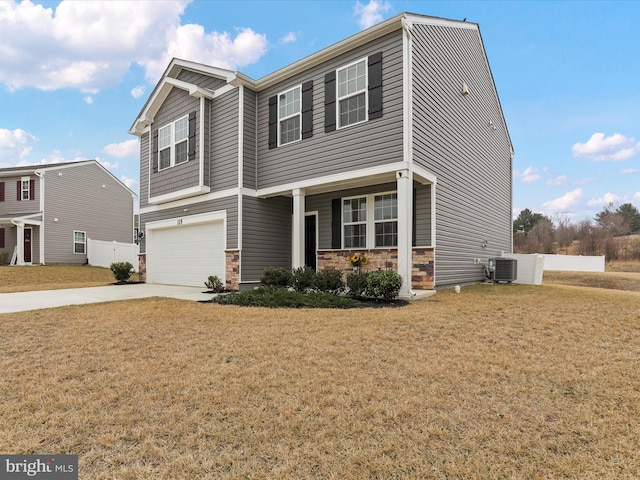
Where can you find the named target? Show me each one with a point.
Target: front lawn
(499, 381)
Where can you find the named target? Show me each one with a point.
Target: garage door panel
(187, 254)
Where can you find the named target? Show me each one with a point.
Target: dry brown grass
(53, 277)
(616, 280)
(496, 382)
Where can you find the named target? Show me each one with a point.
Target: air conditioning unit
(503, 269)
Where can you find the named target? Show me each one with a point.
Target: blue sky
(74, 75)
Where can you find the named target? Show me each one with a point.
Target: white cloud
(88, 45)
(138, 91)
(15, 146)
(130, 182)
(191, 42)
(128, 148)
(108, 165)
(371, 13)
(88, 99)
(530, 175)
(599, 148)
(288, 38)
(558, 181)
(629, 171)
(608, 198)
(636, 196)
(565, 202)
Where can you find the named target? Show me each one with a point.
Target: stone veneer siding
(232, 273)
(421, 268)
(142, 267)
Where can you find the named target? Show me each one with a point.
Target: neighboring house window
(173, 143)
(25, 189)
(370, 221)
(79, 242)
(289, 116)
(352, 94)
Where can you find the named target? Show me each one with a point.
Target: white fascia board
(180, 194)
(188, 220)
(185, 202)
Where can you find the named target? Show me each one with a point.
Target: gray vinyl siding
(224, 141)
(178, 104)
(144, 169)
(204, 81)
(454, 140)
(266, 232)
(372, 143)
(423, 215)
(12, 207)
(249, 140)
(228, 204)
(88, 199)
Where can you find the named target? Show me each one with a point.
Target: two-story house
(47, 212)
(391, 143)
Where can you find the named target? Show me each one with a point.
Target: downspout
(40, 174)
(407, 120)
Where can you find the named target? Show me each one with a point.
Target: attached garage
(186, 251)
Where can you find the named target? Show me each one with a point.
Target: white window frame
(370, 221)
(361, 222)
(173, 143)
(283, 118)
(83, 243)
(347, 96)
(25, 188)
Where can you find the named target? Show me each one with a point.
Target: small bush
(4, 258)
(357, 284)
(384, 284)
(122, 271)
(276, 277)
(214, 284)
(329, 281)
(275, 297)
(302, 279)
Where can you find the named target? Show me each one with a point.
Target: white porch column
(20, 243)
(405, 228)
(298, 228)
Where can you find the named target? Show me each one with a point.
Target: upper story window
(352, 94)
(173, 143)
(370, 221)
(25, 188)
(289, 116)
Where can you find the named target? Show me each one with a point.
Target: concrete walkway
(23, 301)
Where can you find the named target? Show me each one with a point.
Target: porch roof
(27, 218)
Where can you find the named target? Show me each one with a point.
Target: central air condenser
(503, 269)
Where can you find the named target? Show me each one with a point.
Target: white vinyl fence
(103, 254)
(531, 268)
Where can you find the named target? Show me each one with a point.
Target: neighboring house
(47, 212)
(390, 143)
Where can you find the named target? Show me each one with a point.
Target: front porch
(22, 238)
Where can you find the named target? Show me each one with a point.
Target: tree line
(610, 233)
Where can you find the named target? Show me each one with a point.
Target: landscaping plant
(214, 284)
(276, 277)
(329, 281)
(384, 285)
(122, 271)
(303, 278)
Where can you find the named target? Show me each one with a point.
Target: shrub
(122, 271)
(302, 278)
(4, 258)
(275, 297)
(384, 284)
(357, 284)
(329, 281)
(214, 284)
(276, 277)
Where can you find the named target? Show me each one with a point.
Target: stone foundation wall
(421, 269)
(142, 267)
(232, 273)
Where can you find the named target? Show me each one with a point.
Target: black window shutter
(1, 191)
(375, 85)
(19, 191)
(2, 237)
(273, 122)
(192, 136)
(414, 239)
(330, 102)
(155, 151)
(307, 109)
(336, 223)
(32, 189)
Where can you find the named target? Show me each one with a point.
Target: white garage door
(186, 254)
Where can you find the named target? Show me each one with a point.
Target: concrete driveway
(23, 301)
